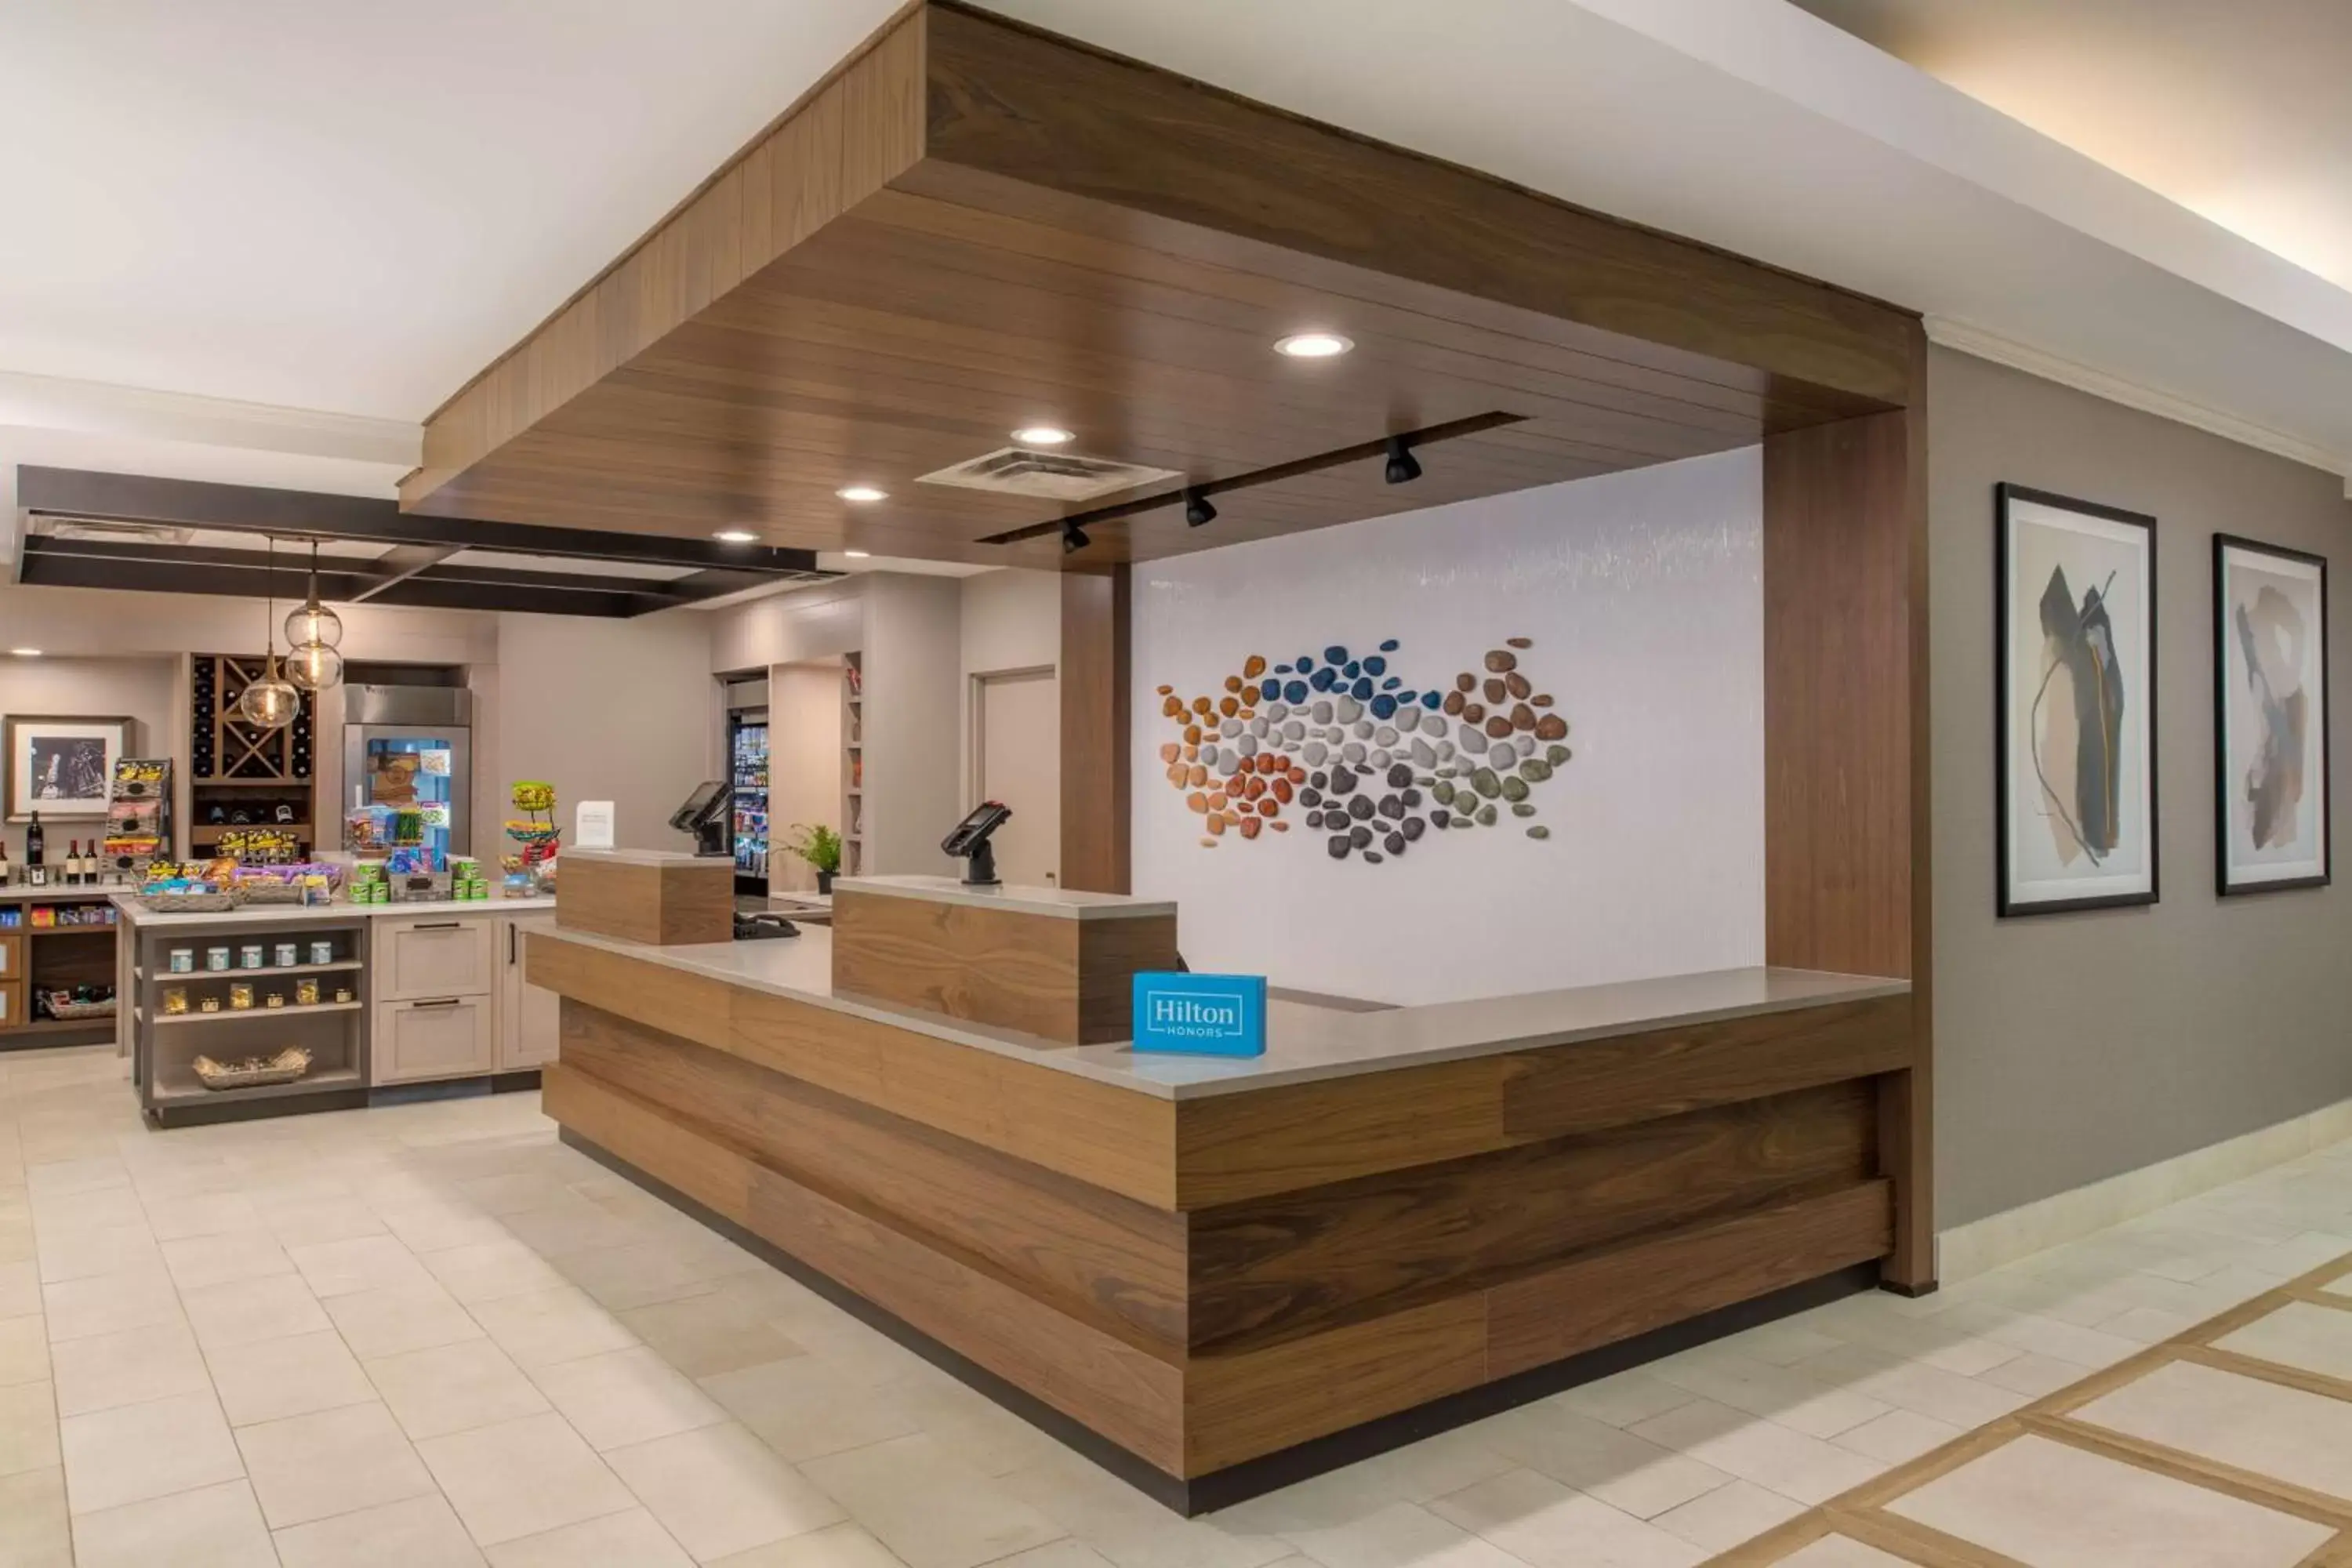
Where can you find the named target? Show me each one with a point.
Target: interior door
(1016, 720)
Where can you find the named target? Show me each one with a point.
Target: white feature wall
(1641, 593)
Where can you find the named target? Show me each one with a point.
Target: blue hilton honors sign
(1201, 1014)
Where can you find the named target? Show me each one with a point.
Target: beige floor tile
(197, 1261)
(1732, 1513)
(128, 1368)
(437, 1226)
(490, 1269)
(2299, 1335)
(626, 1396)
(140, 1451)
(1624, 1470)
(2034, 1376)
(810, 1406)
(206, 1214)
(570, 1224)
(2059, 1507)
(540, 1327)
(704, 1336)
(96, 1250)
(278, 1378)
(57, 1178)
(1130, 1528)
(1913, 1385)
(54, 1214)
(249, 1311)
(719, 1490)
(360, 1263)
(24, 1349)
(323, 1220)
(28, 1428)
(839, 1546)
(108, 1303)
(1622, 1399)
(523, 1478)
(1774, 1457)
(1789, 1397)
(1539, 1522)
(1056, 1554)
(1899, 1435)
(328, 1462)
(631, 1539)
(210, 1527)
(36, 1531)
(1401, 1535)
(1842, 1552)
(20, 1287)
(415, 1532)
(506, 1194)
(404, 1317)
(2283, 1433)
(451, 1388)
(621, 1277)
(926, 1507)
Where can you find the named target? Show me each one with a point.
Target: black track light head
(1197, 509)
(1074, 539)
(1403, 467)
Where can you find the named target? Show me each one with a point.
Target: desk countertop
(134, 913)
(1305, 1040)
(1061, 903)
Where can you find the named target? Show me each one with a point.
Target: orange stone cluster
(1248, 799)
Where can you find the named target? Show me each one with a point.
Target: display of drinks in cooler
(748, 762)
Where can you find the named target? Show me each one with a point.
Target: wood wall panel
(1621, 1293)
(665, 905)
(1109, 1261)
(1299, 1262)
(1061, 980)
(1095, 682)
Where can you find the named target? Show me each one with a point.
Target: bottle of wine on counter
(77, 864)
(37, 871)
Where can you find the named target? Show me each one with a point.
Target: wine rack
(239, 773)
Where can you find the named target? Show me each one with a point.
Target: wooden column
(1846, 766)
(1095, 732)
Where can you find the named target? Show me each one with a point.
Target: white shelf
(317, 1082)
(291, 1010)
(184, 974)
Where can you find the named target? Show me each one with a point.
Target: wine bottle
(35, 841)
(70, 872)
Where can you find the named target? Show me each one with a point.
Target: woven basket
(61, 1004)
(190, 903)
(253, 1072)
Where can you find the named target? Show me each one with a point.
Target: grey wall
(2072, 1047)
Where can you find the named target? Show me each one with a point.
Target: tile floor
(431, 1335)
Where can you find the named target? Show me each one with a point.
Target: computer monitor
(704, 814)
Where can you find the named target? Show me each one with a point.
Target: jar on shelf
(288, 954)
(250, 956)
(306, 992)
(215, 959)
(240, 996)
(209, 1004)
(175, 1000)
(181, 961)
(342, 994)
(322, 952)
(275, 999)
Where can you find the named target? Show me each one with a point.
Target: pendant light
(311, 633)
(271, 702)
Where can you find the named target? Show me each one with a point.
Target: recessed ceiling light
(1042, 436)
(26, 652)
(861, 493)
(736, 536)
(856, 555)
(1314, 345)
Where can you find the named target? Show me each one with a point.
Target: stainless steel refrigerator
(413, 745)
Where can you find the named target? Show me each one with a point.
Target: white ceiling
(336, 211)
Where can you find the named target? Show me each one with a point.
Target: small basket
(190, 903)
(62, 1006)
(253, 1072)
(264, 891)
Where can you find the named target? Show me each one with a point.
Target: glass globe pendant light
(272, 702)
(311, 633)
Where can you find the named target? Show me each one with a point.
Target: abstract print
(2079, 710)
(2269, 674)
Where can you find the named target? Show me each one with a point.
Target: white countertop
(134, 913)
(1061, 902)
(1304, 1041)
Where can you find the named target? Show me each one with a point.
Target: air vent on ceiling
(1047, 476)
(99, 527)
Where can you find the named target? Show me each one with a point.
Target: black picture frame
(2008, 901)
(2223, 687)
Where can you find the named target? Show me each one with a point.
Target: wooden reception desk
(1217, 1276)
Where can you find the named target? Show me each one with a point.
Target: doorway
(1016, 758)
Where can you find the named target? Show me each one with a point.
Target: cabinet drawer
(427, 959)
(12, 1003)
(442, 1037)
(11, 956)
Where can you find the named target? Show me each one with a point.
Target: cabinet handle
(510, 945)
(443, 1002)
(436, 925)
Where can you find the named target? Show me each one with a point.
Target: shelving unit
(335, 1033)
(234, 767)
(853, 764)
(46, 958)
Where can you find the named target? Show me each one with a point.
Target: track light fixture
(1074, 539)
(1197, 509)
(1403, 467)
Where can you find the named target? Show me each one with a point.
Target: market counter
(1216, 1275)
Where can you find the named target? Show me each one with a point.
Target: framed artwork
(2074, 651)
(2270, 717)
(59, 766)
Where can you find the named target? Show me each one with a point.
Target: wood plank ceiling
(972, 226)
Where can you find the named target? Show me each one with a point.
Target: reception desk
(1219, 1275)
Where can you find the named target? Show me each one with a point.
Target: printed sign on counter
(591, 826)
(1200, 1014)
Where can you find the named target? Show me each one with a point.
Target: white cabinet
(427, 957)
(529, 1016)
(442, 1036)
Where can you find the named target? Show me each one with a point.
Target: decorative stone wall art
(2270, 717)
(1341, 745)
(2074, 649)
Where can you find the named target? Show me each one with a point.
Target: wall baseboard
(1967, 1250)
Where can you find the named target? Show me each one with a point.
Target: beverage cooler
(412, 747)
(747, 754)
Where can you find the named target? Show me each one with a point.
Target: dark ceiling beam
(397, 565)
(43, 560)
(305, 515)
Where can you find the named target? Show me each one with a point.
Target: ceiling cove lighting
(1074, 539)
(856, 555)
(862, 493)
(1314, 345)
(1042, 436)
(1403, 467)
(24, 653)
(1197, 509)
(736, 536)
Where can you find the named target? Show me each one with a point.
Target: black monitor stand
(710, 838)
(979, 869)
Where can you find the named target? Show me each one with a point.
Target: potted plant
(821, 846)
